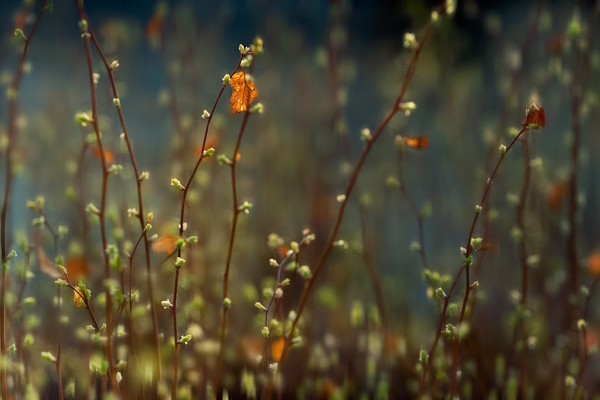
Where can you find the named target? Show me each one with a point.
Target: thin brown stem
(522, 312)
(9, 172)
(468, 259)
(181, 231)
(235, 212)
(86, 36)
(350, 187)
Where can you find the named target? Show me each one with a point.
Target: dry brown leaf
(46, 266)
(243, 93)
(165, 244)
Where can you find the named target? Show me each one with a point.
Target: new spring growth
(365, 135)
(117, 102)
(260, 306)
(176, 183)
(185, 339)
(410, 41)
(265, 331)
(83, 119)
(20, 35)
(205, 114)
(478, 208)
(179, 262)
(258, 108)
(273, 263)
(92, 209)
(208, 152)
(114, 64)
(582, 325)
(245, 207)
(476, 243)
(226, 78)
(47, 356)
(144, 176)
(502, 149)
(304, 272)
(423, 357)
(407, 107)
(227, 303)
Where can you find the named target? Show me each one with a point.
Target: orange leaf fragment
(556, 195)
(417, 143)
(535, 117)
(593, 263)
(277, 349)
(243, 93)
(78, 299)
(108, 155)
(77, 268)
(165, 244)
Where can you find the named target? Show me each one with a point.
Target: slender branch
(182, 225)
(236, 210)
(522, 313)
(11, 138)
(86, 36)
(351, 184)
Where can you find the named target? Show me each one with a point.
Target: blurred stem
(9, 173)
(350, 187)
(368, 259)
(415, 210)
(235, 212)
(141, 215)
(86, 36)
(181, 231)
(524, 268)
(466, 268)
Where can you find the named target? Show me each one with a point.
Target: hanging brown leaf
(417, 143)
(535, 117)
(243, 93)
(46, 266)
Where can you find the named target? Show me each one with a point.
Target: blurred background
(330, 69)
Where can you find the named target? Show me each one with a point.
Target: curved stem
(350, 187)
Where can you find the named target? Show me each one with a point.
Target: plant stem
(86, 36)
(350, 187)
(524, 268)
(465, 267)
(11, 137)
(235, 212)
(181, 230)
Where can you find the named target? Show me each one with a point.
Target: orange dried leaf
(417, 143)
(593, 263)
(277, 349)
(108, 155)
(77, 268)
(45, 265)
(556, 195)
(165, 244)
(243, 93)
(282, 250)
(154, 28)
(78, 299)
